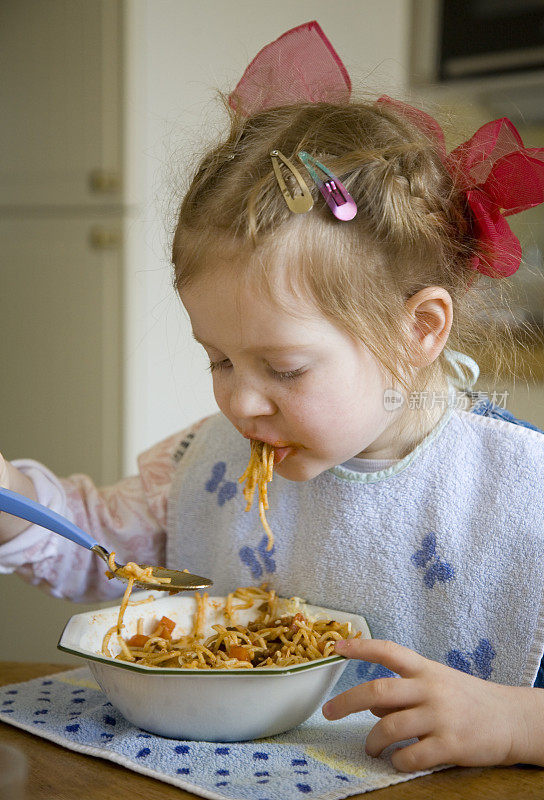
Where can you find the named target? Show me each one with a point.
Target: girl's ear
(429, 316)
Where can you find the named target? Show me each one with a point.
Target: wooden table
(55, 772)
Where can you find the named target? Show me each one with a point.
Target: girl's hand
(458, 718)
(14, 479)
(4, 474)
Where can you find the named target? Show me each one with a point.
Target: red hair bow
(302, 65)
(499, 175)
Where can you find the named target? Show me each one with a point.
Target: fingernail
(341, 645)
(327, 708)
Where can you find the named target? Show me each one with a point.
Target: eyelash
(282, 376)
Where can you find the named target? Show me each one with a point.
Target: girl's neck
(419, 415)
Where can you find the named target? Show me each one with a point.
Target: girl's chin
(281, 453)
(295, 467)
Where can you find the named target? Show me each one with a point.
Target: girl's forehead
(237, 308)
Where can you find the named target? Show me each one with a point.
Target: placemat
(320, 759)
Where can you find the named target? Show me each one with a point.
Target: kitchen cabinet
(62, 217)
(61, 222)
(60, 312)
(61, 99)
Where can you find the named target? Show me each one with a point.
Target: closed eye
(281, 376)
(288, 375)
(215, 365)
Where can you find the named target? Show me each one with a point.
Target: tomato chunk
(168, 626)
(239, 652)
(299, 618)
(138, 640)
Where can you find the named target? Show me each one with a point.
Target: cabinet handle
(104, 238)
(104, 181)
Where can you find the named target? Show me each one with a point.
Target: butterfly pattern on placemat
(435, 568)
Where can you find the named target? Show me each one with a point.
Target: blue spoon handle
(23, 507)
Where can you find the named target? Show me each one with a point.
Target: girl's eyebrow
(279, 348)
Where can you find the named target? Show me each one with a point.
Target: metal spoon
(20, 506)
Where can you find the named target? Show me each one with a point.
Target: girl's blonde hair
(412, 229)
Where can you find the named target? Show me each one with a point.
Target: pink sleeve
(128, 518)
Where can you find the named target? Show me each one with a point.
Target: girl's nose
(248, 401)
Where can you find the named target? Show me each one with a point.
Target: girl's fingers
(397, 727)
(426, 754)
(380, 693)
(394, 656)
(381, 712)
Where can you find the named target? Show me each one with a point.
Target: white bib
(443, 552)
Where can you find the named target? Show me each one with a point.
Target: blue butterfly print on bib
(427, 559)
(365, 671)
(227, 489)
(252, 557)
(478, 662)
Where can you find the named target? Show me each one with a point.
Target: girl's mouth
(281, 451)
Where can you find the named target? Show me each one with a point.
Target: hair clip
(337, 197)
(298, 203)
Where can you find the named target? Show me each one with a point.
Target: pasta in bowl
(230, 668)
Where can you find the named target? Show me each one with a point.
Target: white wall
(177, 53)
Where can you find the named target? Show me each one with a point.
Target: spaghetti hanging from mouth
(259, 472)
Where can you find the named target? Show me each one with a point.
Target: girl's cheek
(221, 394)
(310, 411)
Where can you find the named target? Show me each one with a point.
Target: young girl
(329, 334)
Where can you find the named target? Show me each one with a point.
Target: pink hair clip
(336, 196)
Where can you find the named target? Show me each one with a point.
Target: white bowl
(204, 705)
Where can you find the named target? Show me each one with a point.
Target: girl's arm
(128, 518)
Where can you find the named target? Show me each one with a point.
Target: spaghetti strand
(259, 472)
